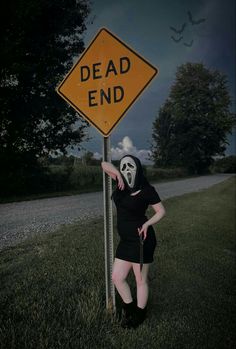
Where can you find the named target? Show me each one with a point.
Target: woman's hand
(121, 184)
(143, 230)
(160, 212)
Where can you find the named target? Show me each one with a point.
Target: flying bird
(192, 21)
(176, 40)
(179, 31)
(188, 44)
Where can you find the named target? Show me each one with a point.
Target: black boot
(129, 309)
(139, 316)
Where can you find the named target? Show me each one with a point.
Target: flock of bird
(181, 30)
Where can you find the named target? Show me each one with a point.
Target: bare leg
(120, 272)
(142, 284)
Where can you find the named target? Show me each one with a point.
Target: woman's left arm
(160, 213)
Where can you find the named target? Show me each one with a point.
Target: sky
(145, 27)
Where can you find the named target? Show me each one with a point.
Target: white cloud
(125, 147)
(97, 155)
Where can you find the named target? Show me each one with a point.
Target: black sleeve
(151, 195)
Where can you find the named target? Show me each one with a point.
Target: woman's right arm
(112, 171)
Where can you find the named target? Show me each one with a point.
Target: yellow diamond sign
(106, 80)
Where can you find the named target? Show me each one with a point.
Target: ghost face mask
(128, 169)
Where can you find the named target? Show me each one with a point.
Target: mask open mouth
(129, 177)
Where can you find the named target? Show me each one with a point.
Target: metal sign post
(108, 229)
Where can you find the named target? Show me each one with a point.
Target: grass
(52, 291)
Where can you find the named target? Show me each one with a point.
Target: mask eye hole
(123, 167)
(131, 166)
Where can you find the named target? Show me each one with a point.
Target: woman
(135, 250)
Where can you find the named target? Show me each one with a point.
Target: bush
(23, 182)
(85, 177)
(53, 178)
(225, 165)
(155, 174)
(58, 177)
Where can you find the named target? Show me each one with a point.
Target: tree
(193, 124)
(87, 158)
(39, 39)
(163, 153)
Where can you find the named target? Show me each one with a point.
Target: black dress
(131, 216)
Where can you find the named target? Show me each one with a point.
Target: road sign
(106, 80)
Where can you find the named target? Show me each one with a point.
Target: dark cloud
(145, 26)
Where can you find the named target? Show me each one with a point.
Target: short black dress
(131, 216)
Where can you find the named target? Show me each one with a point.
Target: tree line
(38, 43)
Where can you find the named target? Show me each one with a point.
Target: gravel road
(20, 220)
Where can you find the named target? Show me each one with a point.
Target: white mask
(128, 169)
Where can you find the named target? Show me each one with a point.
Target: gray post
(108, 229)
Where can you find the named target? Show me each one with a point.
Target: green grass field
(52, 290)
